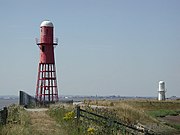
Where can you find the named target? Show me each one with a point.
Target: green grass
(18, 121)
(163, 113)
(22, 122)
(128, 111)
(177, 126)
(65, 117)
(145, 112)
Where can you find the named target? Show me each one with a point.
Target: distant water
(8, 102)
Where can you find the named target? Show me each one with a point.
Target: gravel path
(37, 109)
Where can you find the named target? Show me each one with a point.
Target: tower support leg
(46, 88)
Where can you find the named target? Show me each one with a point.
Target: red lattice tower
(46, 88)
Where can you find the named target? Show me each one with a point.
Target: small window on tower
(46, 31)
(43, 48)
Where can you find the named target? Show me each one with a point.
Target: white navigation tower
(161, 91)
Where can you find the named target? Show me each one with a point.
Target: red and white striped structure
(46, 88)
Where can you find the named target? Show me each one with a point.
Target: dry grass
(138, 111)
(22, 122)
(132, 115)
(41, 123)
(18, 121)
(65, 116)
(125, 110)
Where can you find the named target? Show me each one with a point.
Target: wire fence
(111, 122)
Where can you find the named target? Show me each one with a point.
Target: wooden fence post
(5, 114)
(78, 117)
(78, 112)
(1, 117)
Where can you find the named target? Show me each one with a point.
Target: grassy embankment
(18, 122)
(146, 112)
(23, 122)
(65, 116)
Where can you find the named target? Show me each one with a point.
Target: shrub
(69, 116)
(91, 131)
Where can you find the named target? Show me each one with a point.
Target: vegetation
(163, 113)
(146, 112)
(61, 119)
(18, 122)
(23, 122)
(66, 118)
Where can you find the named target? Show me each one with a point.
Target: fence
(3, 116)
(26, 99)
(102, 119)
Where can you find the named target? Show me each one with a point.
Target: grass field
(18, 122)
(60, 119)
(146, 112)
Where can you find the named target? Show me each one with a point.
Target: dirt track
(42, 123)
(36, 110)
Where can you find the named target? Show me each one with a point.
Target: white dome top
(47, 23)
(161, 82)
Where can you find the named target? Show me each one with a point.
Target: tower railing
(55, 41)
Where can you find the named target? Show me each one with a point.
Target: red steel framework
(46, 88)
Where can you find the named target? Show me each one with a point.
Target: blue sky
(106, 47)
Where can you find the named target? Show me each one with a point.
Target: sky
(106, 47)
